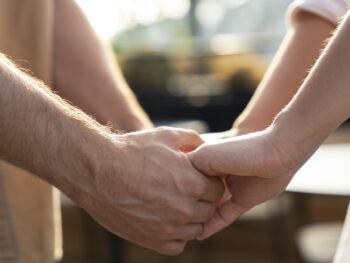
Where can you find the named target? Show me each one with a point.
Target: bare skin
(86, 73)
(140, 185)
(298, 52)
(258, 166)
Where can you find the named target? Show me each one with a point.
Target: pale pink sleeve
(331, 10)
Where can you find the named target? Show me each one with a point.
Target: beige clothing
(29, 208)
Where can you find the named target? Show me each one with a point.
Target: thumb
(201, 162)
(206, 159)
(243, 156)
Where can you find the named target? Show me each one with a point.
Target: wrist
(293, 139)
(89, 155)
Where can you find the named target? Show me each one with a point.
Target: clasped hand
(255, 168)
(167, 187)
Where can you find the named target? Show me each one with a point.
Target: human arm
(297, 53)
(86, 73)
(140, 186)
(260, 165)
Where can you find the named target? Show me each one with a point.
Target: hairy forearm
(120, 180)
(298, 52)
(86, 73)
(322, 102)
(45, 135)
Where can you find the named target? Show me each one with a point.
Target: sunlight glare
(108, 17)
(146, 11)
(174, 8)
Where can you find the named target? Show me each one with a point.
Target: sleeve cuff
(331, 10)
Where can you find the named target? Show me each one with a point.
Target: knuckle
(184, 215)
(197, 188)
(192, 133)
(167, 132)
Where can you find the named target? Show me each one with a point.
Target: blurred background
(192, 60)
(195, 64)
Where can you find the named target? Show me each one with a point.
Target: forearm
(263, 163)
(86, 73)
(45, 135)
(322, 103)
(98, 170)
(298, 52)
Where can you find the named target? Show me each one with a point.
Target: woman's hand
(256, 166)
(261, 164)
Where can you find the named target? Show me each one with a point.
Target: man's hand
(140, 186)
(255, 167)
(150, 193)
